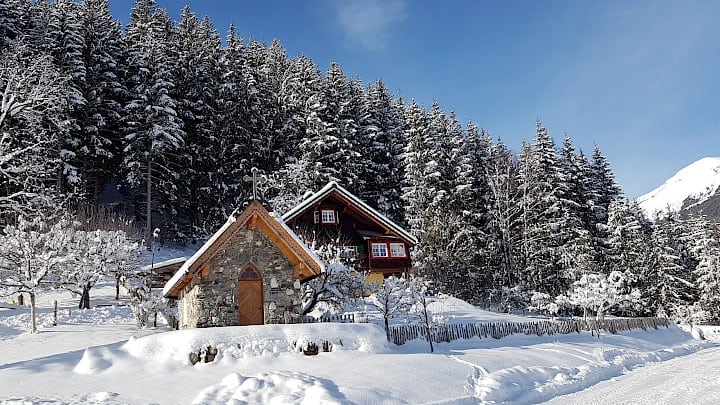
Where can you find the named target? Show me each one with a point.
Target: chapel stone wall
(212, 300)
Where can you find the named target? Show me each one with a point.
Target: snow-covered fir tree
(229, 146)
(542, 216)
(10, 22)
(196, 78)
(64, 40)
(631, 249)
(576, 233)
(383, 139)
(504, 225)
(602, 192)
(674, 279)
(98, 153)
(330, 144)
(154, 132)
(707, 250)
(471, 194)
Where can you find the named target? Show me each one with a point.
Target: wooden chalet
(368, 239)
(162, 272)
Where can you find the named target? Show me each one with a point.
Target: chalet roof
(166, 263)
(255, 215)
(372, 213)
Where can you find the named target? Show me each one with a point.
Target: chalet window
(328, 216)
(379, 249)
(397, 250)
(316, 217)
(347, 252)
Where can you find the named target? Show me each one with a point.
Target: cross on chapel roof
(255, 180)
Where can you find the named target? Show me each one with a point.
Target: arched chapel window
(249, 274)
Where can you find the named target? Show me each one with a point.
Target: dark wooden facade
(162, 272)
(364, 238)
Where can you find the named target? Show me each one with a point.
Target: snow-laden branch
(30, 84)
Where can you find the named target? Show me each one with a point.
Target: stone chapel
(248, 273)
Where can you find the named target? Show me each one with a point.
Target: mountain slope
(692, 190)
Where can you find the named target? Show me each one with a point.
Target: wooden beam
(251, 221)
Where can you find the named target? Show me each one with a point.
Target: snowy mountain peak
(690, 186)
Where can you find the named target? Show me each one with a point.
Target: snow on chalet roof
(297, 239)
(164, 263)
(184, 270)
(297, 210)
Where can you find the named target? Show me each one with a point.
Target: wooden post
(148, 204)
(33, 313)
(55, 313)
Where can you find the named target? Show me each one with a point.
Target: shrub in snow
(340, 284)
(692, 314)
(145, 301)
(599, 293)
(337, 286)
(512, 299)
(541, 302)
(391, 298)
(419, 287)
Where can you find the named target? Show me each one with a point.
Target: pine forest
(155, 124)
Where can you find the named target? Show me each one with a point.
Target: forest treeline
(160, 120)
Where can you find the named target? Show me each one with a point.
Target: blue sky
(639, 78)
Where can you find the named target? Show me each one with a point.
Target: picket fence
(343, 318)
(400, 334)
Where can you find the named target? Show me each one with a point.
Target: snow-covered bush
(145, 301)
(541, 302)
(337, 286)
(512, 299)
(692, 314)
(599, 293)
(421, 300)
(391, 298)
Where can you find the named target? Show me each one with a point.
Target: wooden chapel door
(250, 297)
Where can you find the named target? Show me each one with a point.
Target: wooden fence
(343, 318)
(497, 330)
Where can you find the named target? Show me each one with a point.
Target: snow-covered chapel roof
(333, 187)
(305, 262)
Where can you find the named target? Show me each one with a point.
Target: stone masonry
(213, 299)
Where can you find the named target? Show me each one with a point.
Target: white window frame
(385, 249)
(397, 244)
(330, 214)
(316, 216)
(347, 252)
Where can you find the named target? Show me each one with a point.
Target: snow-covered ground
(683, 380)
(99, 356)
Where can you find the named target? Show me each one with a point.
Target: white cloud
(369, 23)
